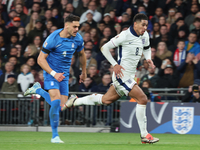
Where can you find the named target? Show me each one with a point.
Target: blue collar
(69, 38)
(133, 31)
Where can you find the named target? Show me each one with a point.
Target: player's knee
(54, 96)
(143, 99)
(106, 102)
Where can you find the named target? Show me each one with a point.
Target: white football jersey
(130, 49)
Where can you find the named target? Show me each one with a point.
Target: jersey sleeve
(118, 39)
(49, 44)
(146, 47)
(146, 43)
(80, 46)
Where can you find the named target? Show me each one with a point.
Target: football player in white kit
(131, 43)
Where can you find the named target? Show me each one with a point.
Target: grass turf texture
(95, 141)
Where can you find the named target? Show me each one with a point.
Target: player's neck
(64, 34)
(136, 31)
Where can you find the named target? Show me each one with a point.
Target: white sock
(141, 118)
(93, 99)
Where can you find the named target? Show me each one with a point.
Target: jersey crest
(143, 41)
(45, 44)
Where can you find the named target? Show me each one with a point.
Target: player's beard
(73, 34)
(70, 32)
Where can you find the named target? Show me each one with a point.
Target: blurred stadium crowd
(174, 30)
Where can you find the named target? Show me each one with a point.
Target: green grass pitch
(95, 141)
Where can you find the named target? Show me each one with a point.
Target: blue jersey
(60, 52)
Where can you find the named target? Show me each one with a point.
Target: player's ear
(66, 24)
(135, 23)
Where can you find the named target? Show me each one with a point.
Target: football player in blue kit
(55, 60)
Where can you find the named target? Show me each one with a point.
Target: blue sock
(44, 94)
(54, 117)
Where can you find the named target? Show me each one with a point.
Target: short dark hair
(101, 22)
(15, 34)
(13, 47)
(33, 57)
(196, 20)
(72, 18)
(163, 26)
(87, 49)
(139, 17)
(193, 32)
(181, 41)
(67, 12)
(141, 5)
(12, 56)
(36, 3)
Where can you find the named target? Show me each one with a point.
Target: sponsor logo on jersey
(72, 45)
(52, 83)
(58, 45)
(45, 44)
(182, 119)
(130, 42)
(117, 36)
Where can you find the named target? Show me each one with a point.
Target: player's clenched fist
(150, 62)
(118, 71)
(83, 76)
(59, 77)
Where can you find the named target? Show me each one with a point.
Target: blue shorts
(54, 84)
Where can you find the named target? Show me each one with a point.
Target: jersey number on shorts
(137, 51)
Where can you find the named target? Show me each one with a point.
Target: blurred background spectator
(25, 79)
(9, 86)
(192, 95)
(173, 27)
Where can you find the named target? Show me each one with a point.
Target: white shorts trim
(123, 88)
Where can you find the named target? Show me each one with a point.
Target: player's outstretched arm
(83, 64)
(105, 49)
(45, 66)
